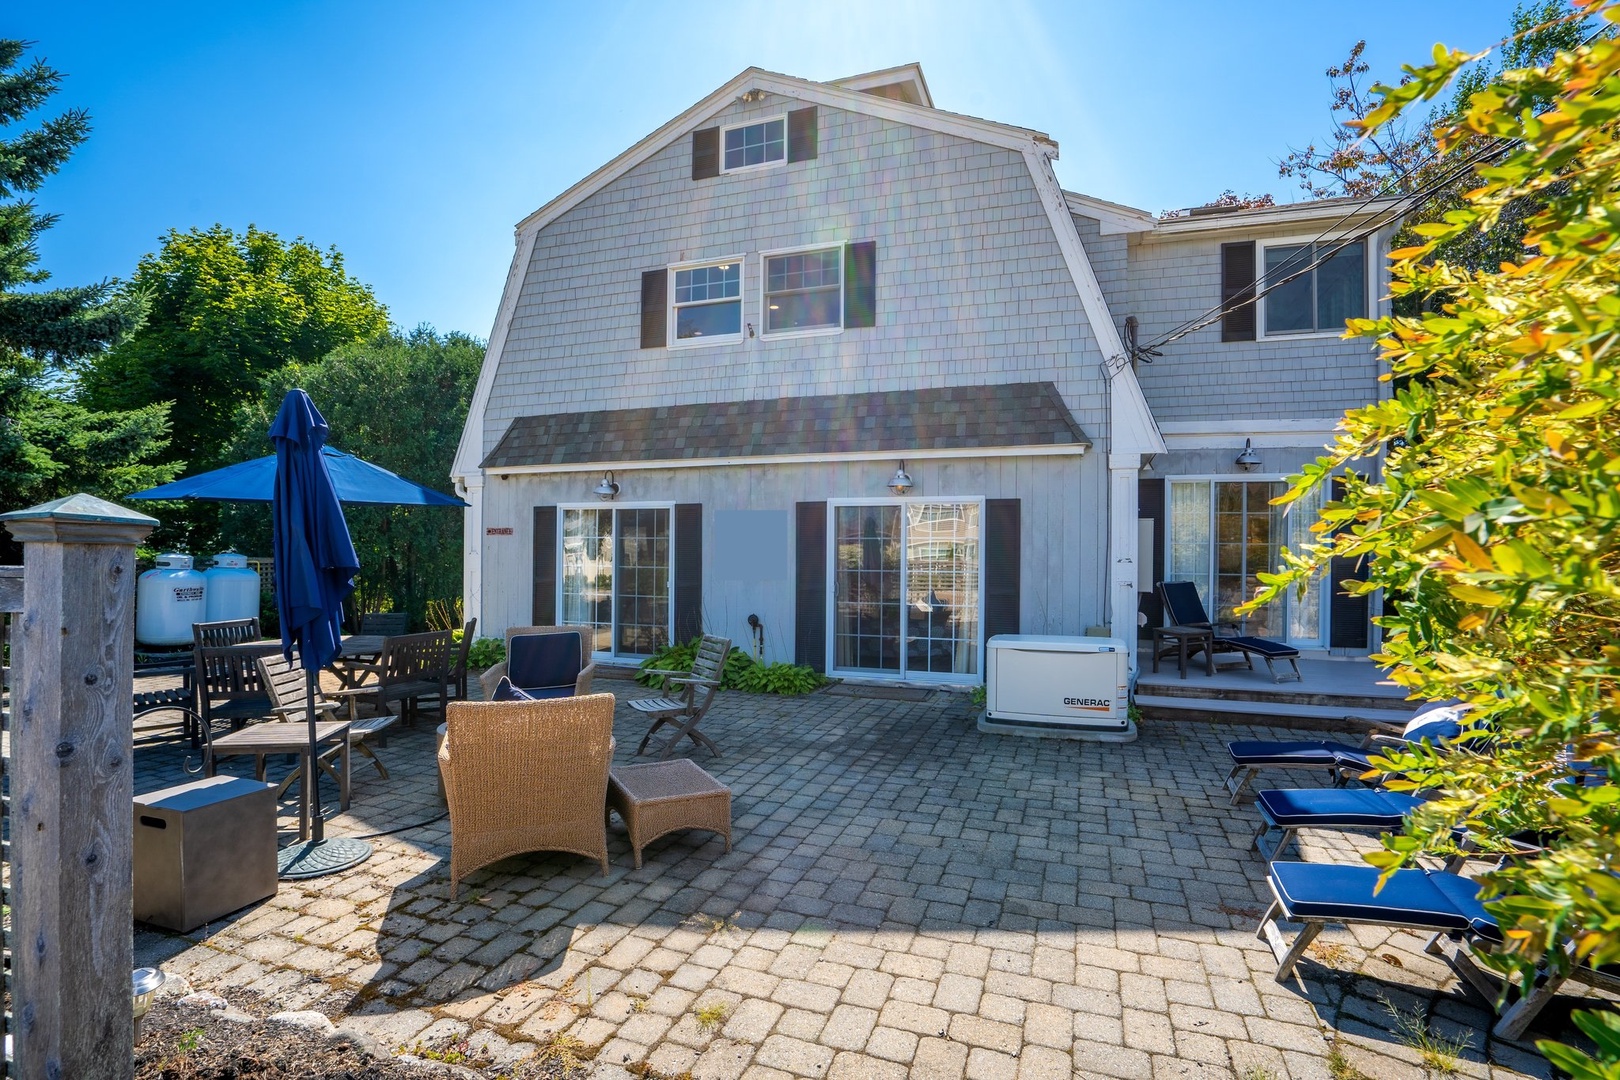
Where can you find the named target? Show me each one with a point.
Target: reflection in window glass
(615, 577)
(1318, 298)
(803, 290)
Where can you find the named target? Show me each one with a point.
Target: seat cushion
(1437, 723)
(1340, 893)
(1257, 752)
(1343, 808)
(544, 659)
(544, 693)
(1276, 650)
(1464, 892)
(505, 691)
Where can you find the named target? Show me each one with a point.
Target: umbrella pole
(312, 771)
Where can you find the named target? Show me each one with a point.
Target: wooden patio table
(1183, 637)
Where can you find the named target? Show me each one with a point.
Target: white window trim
(557, 617)
(1260, 246)
(764, 295)
(670, 340)
(764, 164)
(830, 598)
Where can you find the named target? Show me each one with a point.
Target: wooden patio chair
(411, 667)
(384, 623)
(457, 687)
(524, 776)
(693, 702)
(284, 680)
(587, 667)
(226, 678)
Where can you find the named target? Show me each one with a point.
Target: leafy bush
(777, 678)
(741, 672)
(674, 657)
(486, 652)
(980, 695)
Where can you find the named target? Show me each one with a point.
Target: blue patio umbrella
(355, 480)
(315, 569)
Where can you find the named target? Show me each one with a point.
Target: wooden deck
(1331, 691)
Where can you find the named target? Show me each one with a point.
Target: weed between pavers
(1437, 1053)
(565, 1051)
(1339, 1067)
(711, 1016)
(1258, 1072)
(1329, 954)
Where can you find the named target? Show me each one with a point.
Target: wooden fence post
(73, 786)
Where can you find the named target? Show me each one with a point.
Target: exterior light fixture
(900, 482)
(607, 488)
(1248, 460)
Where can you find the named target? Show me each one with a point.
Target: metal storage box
(203, 850)
(1044, 684)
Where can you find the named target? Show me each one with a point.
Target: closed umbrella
(315, 569)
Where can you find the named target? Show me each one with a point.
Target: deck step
(1173, 707)
(1275, 694)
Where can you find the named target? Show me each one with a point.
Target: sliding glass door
(615, 577)
(905, 588)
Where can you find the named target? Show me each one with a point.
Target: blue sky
(413, 136)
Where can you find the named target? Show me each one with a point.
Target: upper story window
(707, 303)
(804, 291)
(748, 146)
(1331, 288)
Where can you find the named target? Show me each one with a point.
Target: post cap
(78, 519)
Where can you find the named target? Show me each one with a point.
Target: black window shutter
(688, 571)
(705, 153)
(801, 135)
(1237, 288)
(544, 609)
(810, 585)
(1348, 616)
(1150, 505)
(654, 308)
(860, 284)
(1003, 567)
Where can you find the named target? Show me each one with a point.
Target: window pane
(942, 587)
(866, 587)
(803, 311)
(708, 283)
(708, 320)
(1341, 287)
(1288, 307)
(643, 582)
(802, 290)
(756, 144)
(1191, 554)
(587, 573)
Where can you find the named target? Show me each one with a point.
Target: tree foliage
(1495, 526)
(398, 401)
(51, 445)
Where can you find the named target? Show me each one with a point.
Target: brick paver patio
(906, 897)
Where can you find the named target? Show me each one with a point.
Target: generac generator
(1068, 687)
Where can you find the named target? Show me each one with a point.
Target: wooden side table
(1183, 637)
(666, 796)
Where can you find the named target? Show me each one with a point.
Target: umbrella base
(317, 858)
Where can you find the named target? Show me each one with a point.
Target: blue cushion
(1276, 650)
(1344, 808)
(544, 660)
(1436, 723)
(505, 691)
(1258, 752)
(545, 693)
(1339, 893)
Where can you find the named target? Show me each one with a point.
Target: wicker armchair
(525, 776)
(587, 667)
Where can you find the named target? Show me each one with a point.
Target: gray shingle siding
(971, 285)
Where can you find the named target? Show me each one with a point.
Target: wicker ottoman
(667, 796)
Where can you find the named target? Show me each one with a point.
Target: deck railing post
(73, 786)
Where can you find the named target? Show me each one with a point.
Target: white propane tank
(168, 600)
(233, 588)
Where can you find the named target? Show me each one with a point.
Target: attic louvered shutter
(543, 609)
(801, 135)
(688, 571)
(1348, 616)
(705, 153)
(860, 284)
(654, 308)
(1237, 288)
(1003, 566)
(810, 585)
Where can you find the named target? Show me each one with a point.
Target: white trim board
(470, 450)
(1062, 450)
(1112, 218)
(1271, 434)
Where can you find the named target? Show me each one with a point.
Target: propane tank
(168, 600)
(233, 588)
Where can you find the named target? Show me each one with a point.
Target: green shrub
(676, 657)
(741, 672)
(980, 695)
(486, 652)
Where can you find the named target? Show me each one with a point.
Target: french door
(1224, 534)
(906, 588)
(615, 577)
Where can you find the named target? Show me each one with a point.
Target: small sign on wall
(498, 530)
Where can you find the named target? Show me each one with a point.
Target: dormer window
(755, 145)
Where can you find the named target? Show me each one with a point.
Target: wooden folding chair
(693, 703)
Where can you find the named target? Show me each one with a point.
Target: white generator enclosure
(1068, 687)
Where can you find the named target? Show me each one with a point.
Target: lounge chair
(1286, 811)
(1182, 607)
(1437, 722)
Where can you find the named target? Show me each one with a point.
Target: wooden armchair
(525, 776)
(412, 666)
(587, 667)
(691, 703)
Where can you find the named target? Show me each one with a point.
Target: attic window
(752, 146)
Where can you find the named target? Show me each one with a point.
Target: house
(827, 360)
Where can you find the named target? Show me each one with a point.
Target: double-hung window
(707, 303)
(749, 146)
(1313, 288)
(804, 290)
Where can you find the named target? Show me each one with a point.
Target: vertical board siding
(810, 585)
(1003, 566)
(688, 571)
(543, 605)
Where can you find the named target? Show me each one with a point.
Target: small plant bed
(742, 672)
(186, 1039)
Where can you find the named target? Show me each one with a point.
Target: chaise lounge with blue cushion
(1286, 811)
(1437, 722)
(1182, 607)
